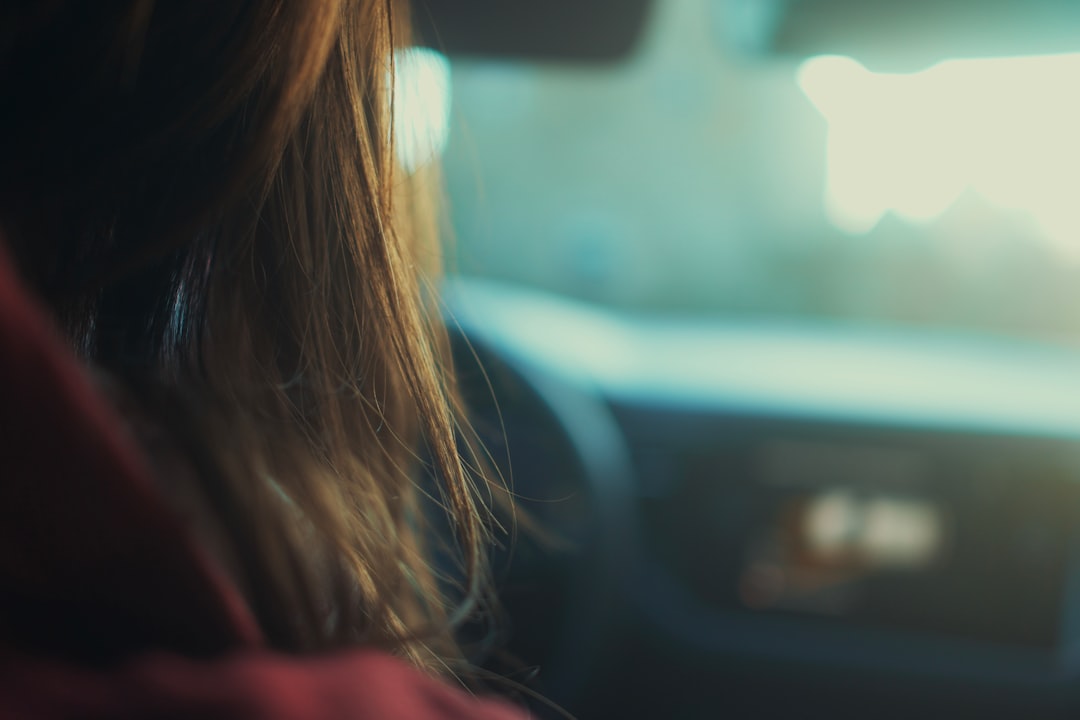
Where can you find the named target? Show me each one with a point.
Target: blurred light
(421, 106)
(911, 144)
(878, 532)
(901, 532)
(830, 524)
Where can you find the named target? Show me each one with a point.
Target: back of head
(200, 190)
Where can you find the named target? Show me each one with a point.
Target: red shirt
(91, 555)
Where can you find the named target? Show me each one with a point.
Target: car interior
(768, 312)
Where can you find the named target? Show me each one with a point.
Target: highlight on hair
(205, 193)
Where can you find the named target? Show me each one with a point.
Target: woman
(218, 375)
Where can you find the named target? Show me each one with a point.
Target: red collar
(92, 561)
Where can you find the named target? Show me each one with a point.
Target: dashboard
(755, 519)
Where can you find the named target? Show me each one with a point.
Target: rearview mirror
(554, 30)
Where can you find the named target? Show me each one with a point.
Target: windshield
(697, 178)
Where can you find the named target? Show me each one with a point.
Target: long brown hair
(205, 193)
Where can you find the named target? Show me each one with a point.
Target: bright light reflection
(1006, 128)
(882, 532)
(421, 106)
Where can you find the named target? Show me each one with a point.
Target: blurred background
(723, 168)
(777, 310)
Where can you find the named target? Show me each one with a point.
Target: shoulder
(252, 685)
